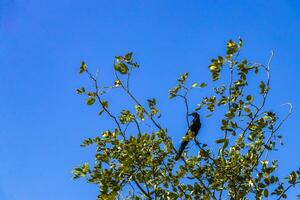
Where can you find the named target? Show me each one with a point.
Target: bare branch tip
(290, 106)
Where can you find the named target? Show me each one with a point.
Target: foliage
(142, 165)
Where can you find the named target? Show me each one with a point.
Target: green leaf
(262, 87)
(83, 67)
(209, 115)
(140, 112)
(85, 168)
(90, 101)
(173, 92)
(226, 142)
(240, 42)
(126, 117)
(230, 114)
(128, 57)
(104, 103)
(292, 177)
(256, 70)
(92, 94)
(261, 185)
(117, 83)
(80, 90)
(194, 85)
(221, 140)
(248, 110)
(183, 78)
(232, 48)
(213, 68)
(119, 58)
(152, 106)
(250, 98)
(222, 101)
(81, 171)
(87, 142)
(122, 68)
(101, 112)
(266, 193)
(203, 85)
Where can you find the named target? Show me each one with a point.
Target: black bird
(192, 132)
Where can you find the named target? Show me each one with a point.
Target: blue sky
(42, 43)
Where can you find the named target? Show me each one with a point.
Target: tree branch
(186, 107)
(103, 106)
(297, 182)
(136, 101)
(140, 187)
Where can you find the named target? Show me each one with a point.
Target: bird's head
(195, 115)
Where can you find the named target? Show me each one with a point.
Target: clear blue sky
(42, 43)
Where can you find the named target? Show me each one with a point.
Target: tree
(143, 165)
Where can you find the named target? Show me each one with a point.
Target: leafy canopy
(142, 165)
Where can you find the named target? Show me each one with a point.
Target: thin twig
(276, 129)
(140, 187)
(103, 106)
(186, 107)
(138, 127)
(128, 78)
(297, 182)
(267, 68)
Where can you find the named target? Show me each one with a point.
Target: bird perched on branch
(192, 133)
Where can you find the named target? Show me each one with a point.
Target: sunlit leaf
(121, 67)
(83, 67)
(128, 57)
(117, 83)
(80, 90)
(90, 101)
(203, 85)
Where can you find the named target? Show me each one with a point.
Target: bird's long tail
(181, 149)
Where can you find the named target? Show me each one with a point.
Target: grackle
(192, 132)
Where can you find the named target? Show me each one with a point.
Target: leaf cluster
(141, 164)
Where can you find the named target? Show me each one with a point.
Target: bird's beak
(190, 114)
